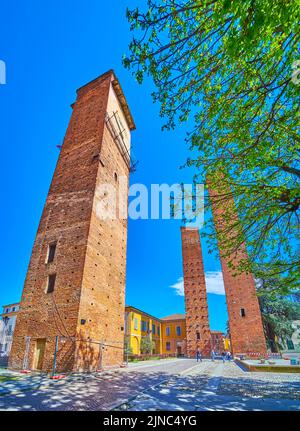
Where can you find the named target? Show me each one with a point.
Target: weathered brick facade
(87, 304)
(197, 324)
(245, 322)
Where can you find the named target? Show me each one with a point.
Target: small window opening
(198, 335)
(51, 283)
(51, 252)
(243, 313)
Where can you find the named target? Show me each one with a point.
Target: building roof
(176, 316)
(10, 312)
(11, 305)
(119, 92)
(130, 307)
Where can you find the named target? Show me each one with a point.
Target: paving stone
(211, 386)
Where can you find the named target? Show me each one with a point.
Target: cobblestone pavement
(259, 385)
(93, 392)
(173, 385)
(218, 386)
(17, 382)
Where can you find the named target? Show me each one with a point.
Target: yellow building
(165, 336)
(227, 345)
(141, 326)
(174, 334)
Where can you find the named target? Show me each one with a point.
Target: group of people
(226, 356)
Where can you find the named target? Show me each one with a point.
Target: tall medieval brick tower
(245, 322)
(75, 284)
(197, 324)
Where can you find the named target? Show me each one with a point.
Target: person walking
(198, 355)
(223, 356)
(213, 354)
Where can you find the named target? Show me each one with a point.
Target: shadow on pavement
(87, 392)
(166, 390)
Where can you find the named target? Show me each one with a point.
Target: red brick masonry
(87, 303)
(197, 324)
(245, 322)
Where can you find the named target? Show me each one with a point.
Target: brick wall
(245, 322)
(197, 324)
(90, 256)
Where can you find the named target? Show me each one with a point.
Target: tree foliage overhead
(226, 67)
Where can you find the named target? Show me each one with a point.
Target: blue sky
(50, 49)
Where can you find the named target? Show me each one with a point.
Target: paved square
(174, 385)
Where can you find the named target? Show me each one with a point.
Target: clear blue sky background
(51, 48)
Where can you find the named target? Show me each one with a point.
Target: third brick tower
(245, 322)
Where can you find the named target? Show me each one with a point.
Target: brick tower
(197, 324)
(245, 322)
(75, 284)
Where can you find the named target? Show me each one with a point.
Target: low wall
(268, 368)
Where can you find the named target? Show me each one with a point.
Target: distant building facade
(295, 338)
(293, 342)
(217, 341)
(7, 326)
(167, 335)
(138, 326)
(174, 334)
(227, 343)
